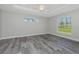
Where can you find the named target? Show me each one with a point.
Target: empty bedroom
(39, 29)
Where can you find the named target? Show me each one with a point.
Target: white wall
(13, 25)
(75, 25)
(0, 24)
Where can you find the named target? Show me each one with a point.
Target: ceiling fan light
(41, 7)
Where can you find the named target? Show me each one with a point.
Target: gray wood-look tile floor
(39, 44)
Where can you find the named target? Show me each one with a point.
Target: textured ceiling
(34, 9)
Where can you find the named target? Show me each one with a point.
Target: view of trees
(65, 24)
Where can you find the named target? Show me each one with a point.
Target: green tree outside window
(65, 24)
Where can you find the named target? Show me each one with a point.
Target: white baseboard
(20, 36)
(73, 39)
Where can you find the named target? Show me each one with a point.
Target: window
(30, 19)
(65, 24)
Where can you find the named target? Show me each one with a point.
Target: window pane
(65, 24)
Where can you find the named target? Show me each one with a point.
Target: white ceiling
(49, 10)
